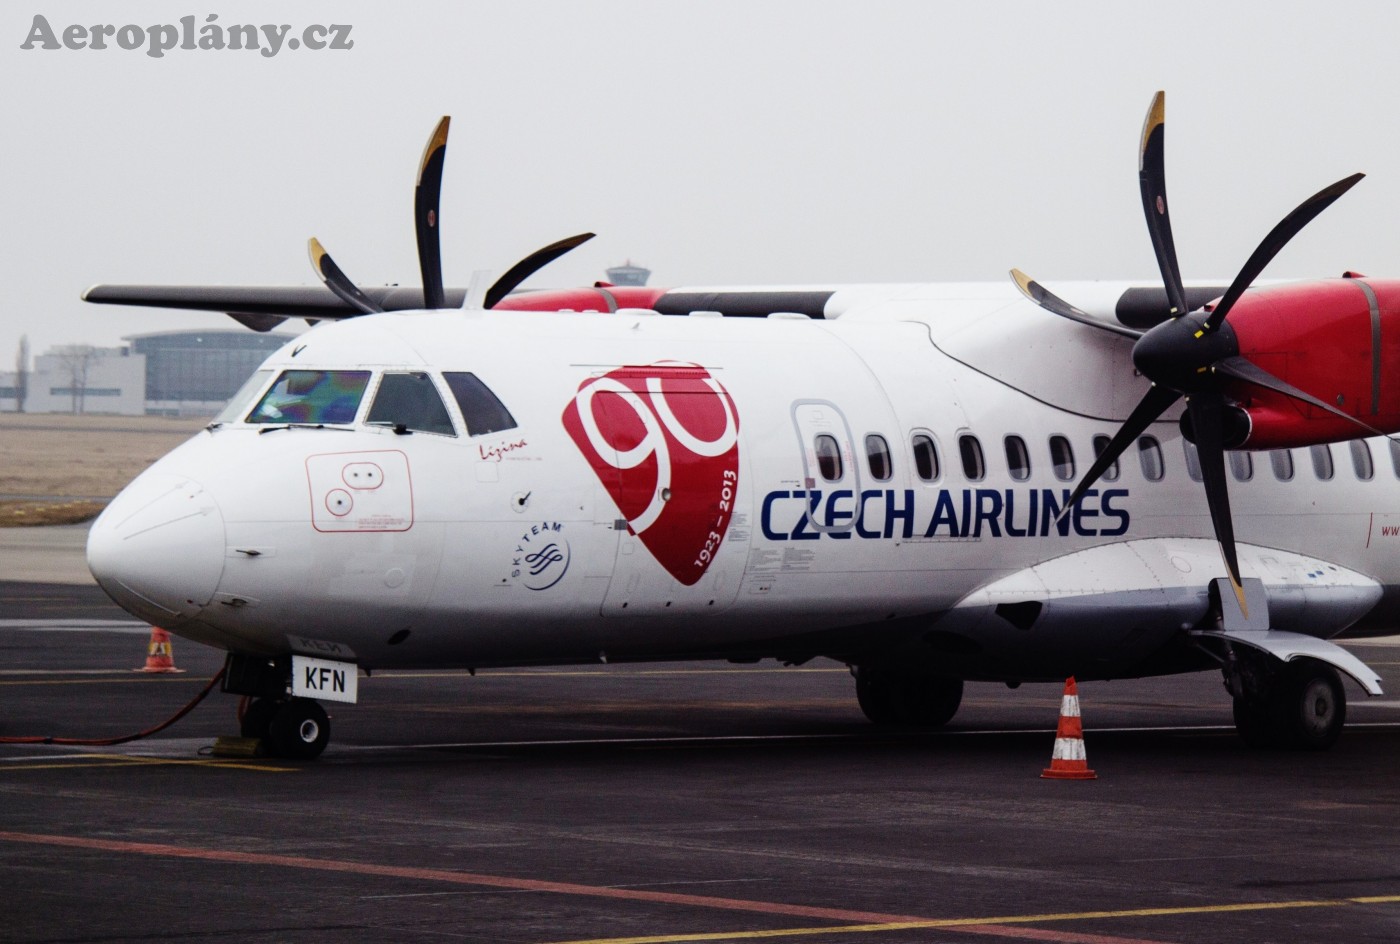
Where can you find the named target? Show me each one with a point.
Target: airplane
(930, 483)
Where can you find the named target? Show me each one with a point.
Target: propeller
(1193, 354)
(335, 279)
(427, 195)
(527, 267)
(425, 214)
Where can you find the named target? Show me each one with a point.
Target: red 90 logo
(664, 441)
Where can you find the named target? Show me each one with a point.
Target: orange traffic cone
(1069, 761)
(159, 656)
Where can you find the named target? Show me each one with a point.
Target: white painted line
(131, 627)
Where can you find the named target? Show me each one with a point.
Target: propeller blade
(531, 264)
(1058, 306)
(425, 215)
(1152, 181)
(1239, 368)
(1206, 410)
(337, 281)
(1148, 409)
(1278, 237)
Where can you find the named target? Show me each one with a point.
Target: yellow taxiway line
(997, 921)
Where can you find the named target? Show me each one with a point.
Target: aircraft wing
(262, 307)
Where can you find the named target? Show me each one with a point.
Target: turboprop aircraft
(929, 483)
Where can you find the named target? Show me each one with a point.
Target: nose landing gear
(294, 728)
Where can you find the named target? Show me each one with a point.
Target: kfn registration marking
(323, 679)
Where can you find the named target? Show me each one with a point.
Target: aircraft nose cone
(158, 548)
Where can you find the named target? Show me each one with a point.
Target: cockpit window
(481, 409)
(236, 407)
(410, 402)
(312, 396)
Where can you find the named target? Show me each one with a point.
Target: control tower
(628, 274)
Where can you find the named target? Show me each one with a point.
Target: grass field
(48, 459)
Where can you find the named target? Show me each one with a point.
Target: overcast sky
(714, 142)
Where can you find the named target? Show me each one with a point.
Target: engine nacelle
(601, 297)
(1338, 340)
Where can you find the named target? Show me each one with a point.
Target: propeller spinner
(1194, 355)
(426, 197)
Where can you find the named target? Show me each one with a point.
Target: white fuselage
(669, 490)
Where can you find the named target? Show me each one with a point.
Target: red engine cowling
(1338, 340)
(598, 298)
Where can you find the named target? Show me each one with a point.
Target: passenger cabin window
(481, 409)
(409, 402)
(312, 397)
(877, 457)
(1193, 460)
(926, 457)
(1018, 458)
(1241, 466)
(1101, 443)
(1322, 462)
(1062, 455)
(973, 463)
(828, 457)
(1361, 460)
(1282, 461)
(1150, 455)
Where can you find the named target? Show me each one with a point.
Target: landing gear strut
(890, 697)
(1299, 705)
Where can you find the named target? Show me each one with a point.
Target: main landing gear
(1299, 705)
(891, 697)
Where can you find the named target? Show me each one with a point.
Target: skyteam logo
(664, 441)
(541, 557)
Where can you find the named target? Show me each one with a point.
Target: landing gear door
(828, 461)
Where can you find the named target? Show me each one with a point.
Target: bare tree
(77, 360)
(22, 373)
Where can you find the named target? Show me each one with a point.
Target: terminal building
(194, 373)
(168, 373)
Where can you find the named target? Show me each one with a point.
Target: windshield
(409, 402)
(312, 396)
(239, 403)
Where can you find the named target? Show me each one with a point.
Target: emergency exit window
(828, 457)
(410, 403)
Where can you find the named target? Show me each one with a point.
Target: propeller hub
(1180, 353)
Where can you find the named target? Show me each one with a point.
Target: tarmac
(52, 555)
(662, 803)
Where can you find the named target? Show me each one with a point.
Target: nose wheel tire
(257, 718)
(299, 729)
